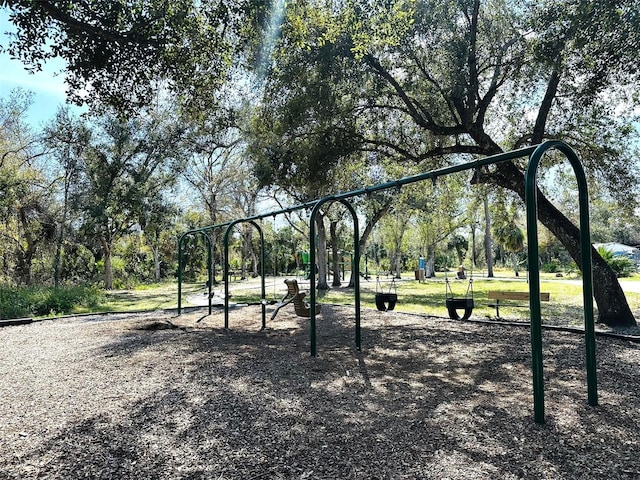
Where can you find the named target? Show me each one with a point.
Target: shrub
(16, 302)
(551, 267)
(13, 303)
(623, 266)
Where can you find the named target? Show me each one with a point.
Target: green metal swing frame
(535, 154)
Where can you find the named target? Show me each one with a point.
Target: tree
(246, 198)
(25, 207)
(304, 164)
(437, 213)
(127, 167)
(67, 138)
(488, 243)
(507, 232)
(408, 80)
(157, 227)
(445, 77)
(121, 52)
(216, 172)
(394, 228)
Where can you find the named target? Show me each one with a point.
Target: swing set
(534, 154)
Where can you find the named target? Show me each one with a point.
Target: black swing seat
(386, 302)
(455, 304)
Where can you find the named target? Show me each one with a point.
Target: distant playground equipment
(345, 263)
(386, 301)
(465, 303)
(306, 265)
(534, 154)
(302, 308)
(419, 273)
(345, 259)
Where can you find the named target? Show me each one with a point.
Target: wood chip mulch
(156, 396)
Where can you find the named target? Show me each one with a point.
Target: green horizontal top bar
(493, 159)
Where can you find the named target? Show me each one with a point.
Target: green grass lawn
(144, 297)
(427, 297)
(565, 306)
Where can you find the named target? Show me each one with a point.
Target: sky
(47, 86)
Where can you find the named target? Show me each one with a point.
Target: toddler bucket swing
(454, 304)
(386, 301)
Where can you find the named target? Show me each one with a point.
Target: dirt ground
(155, 396)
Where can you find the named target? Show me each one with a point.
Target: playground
(361, 390)
(157, 395)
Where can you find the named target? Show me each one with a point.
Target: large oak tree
(427, 82)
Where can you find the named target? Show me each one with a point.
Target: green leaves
(367, 26)
(118, 51)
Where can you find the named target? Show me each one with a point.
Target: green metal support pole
(534, 274)
(180, 267)
(312, 276)
(263, 297)
(534, 289)
(225, 269)
(356, 285)
(356, 272)
(227, 234)
(209, 273)
(587, 273)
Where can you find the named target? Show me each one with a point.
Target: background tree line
(317, 97)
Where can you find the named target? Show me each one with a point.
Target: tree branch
(434, 82)
(83, 27)
(426, 123)
(473, 94)
(545, 107)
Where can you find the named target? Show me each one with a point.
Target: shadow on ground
(428, 399)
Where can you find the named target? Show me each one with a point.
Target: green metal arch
(355, 273)
(531, 200)
(227, 233)
(181, 240)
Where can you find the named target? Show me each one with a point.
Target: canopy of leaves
(120, 51)
(416, 81)
(122, 169)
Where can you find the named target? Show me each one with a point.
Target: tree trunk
(474, 247)
(57, 257)
(254, 264)
(364, 238)
(155, 248)
(321, 255)
(397, 264)
(25, 256)
(157, 264)
(613, 309)
(516, 267)
(214, 271)
(108, 269)
(243, 264)
(430, 262)
(488, 247)
(23, 267)
(335, 259)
